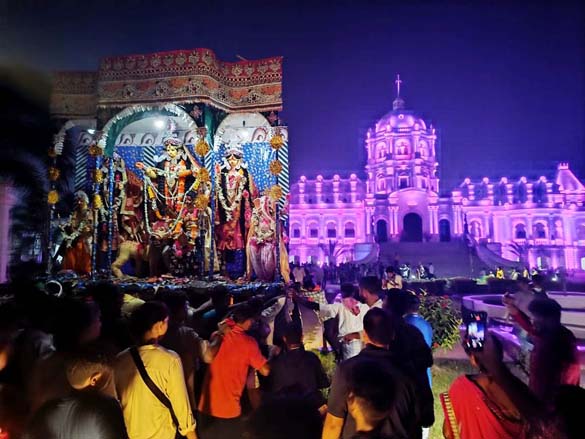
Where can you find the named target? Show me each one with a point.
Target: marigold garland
(202, 175)
(275, 167)
(277, 141)
(54, 173)
(275, 192)
(202, 147)
(53, 197)
(95, 150)
(98, 203)
(201, 201)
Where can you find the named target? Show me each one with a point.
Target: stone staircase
(451, 259)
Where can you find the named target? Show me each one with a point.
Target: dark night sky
(504, 84)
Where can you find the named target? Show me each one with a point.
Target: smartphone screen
(476, 327)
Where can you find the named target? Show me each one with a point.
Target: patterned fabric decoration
(314, 296)
(179, 76)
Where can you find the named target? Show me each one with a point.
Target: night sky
(504, 85)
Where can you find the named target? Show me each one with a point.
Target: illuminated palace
(539, 222)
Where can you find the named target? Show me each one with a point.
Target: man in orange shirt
(225, 380)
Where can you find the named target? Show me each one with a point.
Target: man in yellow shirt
(144, 414)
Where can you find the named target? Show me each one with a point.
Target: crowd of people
(105, 364)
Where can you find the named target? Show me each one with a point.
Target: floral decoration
(277, 141)
(275, 167)
(95, 150)
(202, 147)
(53, 197)
(275, 192)
(54, 173)
(201, 201)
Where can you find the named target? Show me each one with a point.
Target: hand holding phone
(476, 327)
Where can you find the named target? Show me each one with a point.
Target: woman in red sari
(476, 407)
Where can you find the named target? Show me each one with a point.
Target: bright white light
(91, 131)
(159, 124)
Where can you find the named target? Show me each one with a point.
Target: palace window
(313, 233)
(349, 230)
(296, 231)
(520, 231)
(331, 231)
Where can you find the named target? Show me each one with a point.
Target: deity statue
(169, 179)
(262, 246)
(235, 190)
(77, 236)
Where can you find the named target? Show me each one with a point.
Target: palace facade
(538, 221)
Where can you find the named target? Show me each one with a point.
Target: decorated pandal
(188, 188)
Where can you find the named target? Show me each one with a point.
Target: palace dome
(401, 119)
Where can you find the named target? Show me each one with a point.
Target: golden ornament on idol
(275, 167)
(202, 147)
(52, 153)
(275, 193)
(202, 175)
(277, 141)
(97, 201)
(98, 176)
(95, 150)
(54, 173)
(53, 197)
(201, 201)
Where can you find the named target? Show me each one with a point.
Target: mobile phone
(476, 327)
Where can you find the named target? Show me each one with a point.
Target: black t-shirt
(402, 422)
(299, 373)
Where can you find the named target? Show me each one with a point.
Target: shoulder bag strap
(151, 385)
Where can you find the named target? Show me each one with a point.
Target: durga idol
(235, 191)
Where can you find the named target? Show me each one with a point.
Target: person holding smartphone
(476, 406)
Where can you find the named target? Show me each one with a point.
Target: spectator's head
(245, 315)
(412, 304)
(219, 297)
(546, 315)
(371, 394)
(538, 281)
(83, 415)
(89, 367)
(390, 270)
(396, 302)
(178, 304)
(285, 418)
(77, 323)
(149, 322)
(293, 334)
(498, 351)
(378, 327)
(109, 298)
(347, 290)
(308, 283)
(369, 286)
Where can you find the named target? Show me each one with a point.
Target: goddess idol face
(171, 150)
(234, 161)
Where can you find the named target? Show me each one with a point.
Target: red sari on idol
(470, 414)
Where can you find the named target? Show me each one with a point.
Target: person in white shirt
(145, 416)
(350, 313)
(369, 290)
